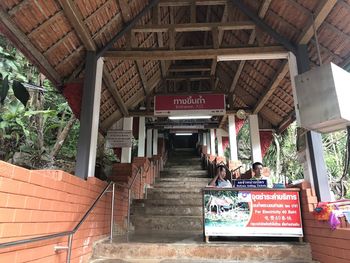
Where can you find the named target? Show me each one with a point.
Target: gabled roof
(173, 47)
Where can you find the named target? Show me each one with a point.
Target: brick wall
(34, 203)
(328, 246)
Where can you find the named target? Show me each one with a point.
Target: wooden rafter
(76, 19)
(143, 77)
(131, 42)
(272, 52)
(156, 21)
(262, 12)
(110, 84)
(219, 39)
(322, 11)
(24, 44)
(279, 76)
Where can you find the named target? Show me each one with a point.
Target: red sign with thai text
(233, 212)
(275, 209)
(200, 104)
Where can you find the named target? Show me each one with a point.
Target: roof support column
(89, 118)
(255, 138)
(155, 142)
(149, 143)
(126, 151)
(219, 136)
(232, 137)
(318, 175)
(212, 142)
(209, 142)
(142, 137)
(204, 139)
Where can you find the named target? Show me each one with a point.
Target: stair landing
(190, 248)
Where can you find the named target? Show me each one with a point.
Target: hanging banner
(190, 105)
(119, 138)
(270, 212)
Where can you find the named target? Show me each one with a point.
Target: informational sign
(230, 212)
(262, 183)
(191, 105)
(119, 138)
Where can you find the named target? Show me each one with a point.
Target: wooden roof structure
(174, 47)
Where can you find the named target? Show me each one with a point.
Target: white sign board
(119, 138)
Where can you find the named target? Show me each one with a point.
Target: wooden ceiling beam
(253, 53)
(114, 92)
(279, 76)
(188, 68)
(322, 11)
(178, 3)
(143, 77)
(191, 27)
(76, 19)
(219, 41)
(262, 12)
(187, 78)
(156, 21)
(23, 43)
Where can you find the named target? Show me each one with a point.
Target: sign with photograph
(197, 104)
(119, 138)
(230, 212)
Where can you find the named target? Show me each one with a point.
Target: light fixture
(241, 114)
(188, 117)
(183, 134)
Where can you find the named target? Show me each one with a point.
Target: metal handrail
(67, 233)
(129, 196)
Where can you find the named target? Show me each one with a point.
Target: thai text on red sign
(213, 104)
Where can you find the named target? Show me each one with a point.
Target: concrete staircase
(168, 226)
(174, 203)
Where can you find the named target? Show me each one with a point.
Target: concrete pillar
(255, 138)
(155, 142)
(212, 142)
(219, 137)
(126, 151)
(89, 117)
(142, 138)
(209, 143)
(204, 138)
(232, 138)
(149, 143)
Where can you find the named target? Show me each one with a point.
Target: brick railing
(36, 203)
(328, 246)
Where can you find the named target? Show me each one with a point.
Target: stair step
(179, 179)
(173, 195)
(183, 251)
(169, 210)
(174, 190)
(164, 202)
(167, 223)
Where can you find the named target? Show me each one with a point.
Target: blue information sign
(262, 183)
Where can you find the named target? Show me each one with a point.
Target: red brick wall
(328, 246)
(34, 203)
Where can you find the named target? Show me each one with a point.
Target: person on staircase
(219, 180)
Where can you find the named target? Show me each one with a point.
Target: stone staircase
(168, 226)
